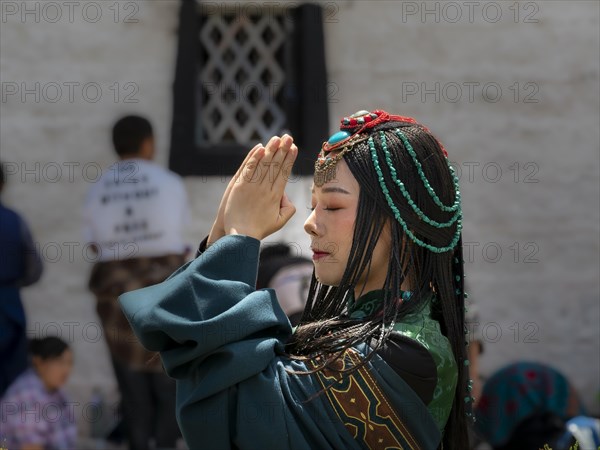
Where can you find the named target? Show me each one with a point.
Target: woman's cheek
(345, 229)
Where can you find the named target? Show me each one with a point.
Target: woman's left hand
(257, 204)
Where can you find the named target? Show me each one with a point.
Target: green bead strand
(405, 193)
(396, 212)
(456, 205)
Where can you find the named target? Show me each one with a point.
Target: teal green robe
(223, 342)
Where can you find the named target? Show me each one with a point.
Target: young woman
(378, 359)
(35, 411)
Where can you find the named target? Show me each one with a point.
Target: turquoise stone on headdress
(340, 142)
(359, 117)
(337, 137)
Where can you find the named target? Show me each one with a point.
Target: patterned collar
(369, 303)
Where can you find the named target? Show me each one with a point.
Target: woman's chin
(327, 280)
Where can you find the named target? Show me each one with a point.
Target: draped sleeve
(223, 342)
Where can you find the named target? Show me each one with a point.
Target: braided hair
(325, 330)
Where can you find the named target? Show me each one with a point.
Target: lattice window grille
(241, 78)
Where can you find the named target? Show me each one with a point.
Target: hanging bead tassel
(396, 211)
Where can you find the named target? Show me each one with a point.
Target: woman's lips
(318, 255)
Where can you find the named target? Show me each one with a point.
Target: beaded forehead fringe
(326, 166)
(326, 171)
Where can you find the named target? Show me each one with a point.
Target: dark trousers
(148, 407)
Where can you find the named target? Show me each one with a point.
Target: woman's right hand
(257, 205)
(218, 229)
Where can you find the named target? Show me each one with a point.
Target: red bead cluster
(371, 119)
(358, 123)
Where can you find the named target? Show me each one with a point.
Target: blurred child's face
(331, 228)
(54, 372)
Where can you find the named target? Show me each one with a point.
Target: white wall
(377, 52)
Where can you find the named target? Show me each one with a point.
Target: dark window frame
(305, 97)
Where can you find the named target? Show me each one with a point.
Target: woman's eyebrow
(340, 190)
(331, 190)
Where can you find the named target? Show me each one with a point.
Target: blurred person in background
(36, 413)
(289, 275)
(135, 215)
(526, 405)
(20, 265)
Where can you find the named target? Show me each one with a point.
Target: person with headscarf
(527, 405)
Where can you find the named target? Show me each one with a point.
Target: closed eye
(310, 208)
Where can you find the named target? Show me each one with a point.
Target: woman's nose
(310, 225)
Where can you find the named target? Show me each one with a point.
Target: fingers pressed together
(270, 164)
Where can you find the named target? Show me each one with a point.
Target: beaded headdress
(353, 129)
(358, 128)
